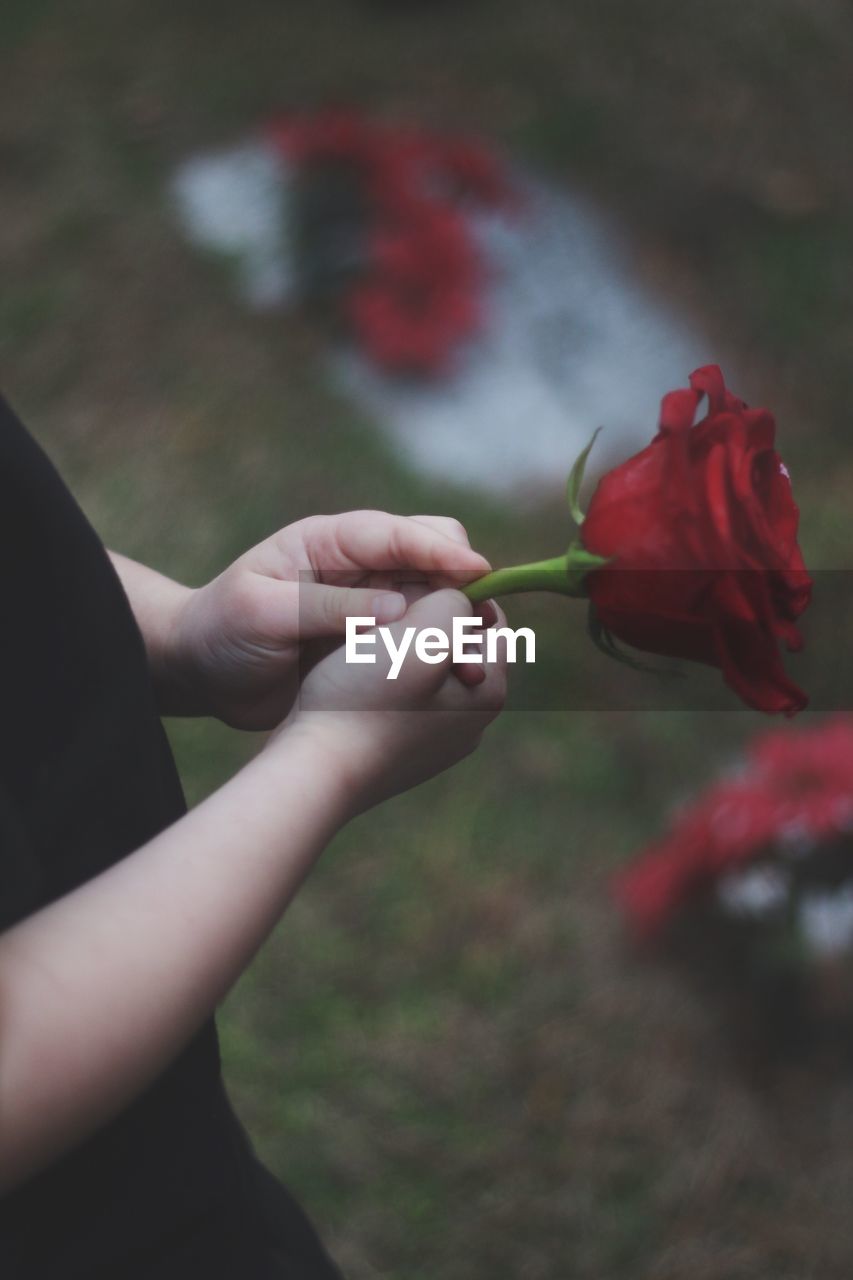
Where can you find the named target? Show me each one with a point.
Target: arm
(101, 989)
(157, 603)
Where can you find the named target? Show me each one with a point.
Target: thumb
(323, 610)
(439, 608)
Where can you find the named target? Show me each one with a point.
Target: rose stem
(542, 575)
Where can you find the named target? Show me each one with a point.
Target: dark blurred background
(447, 1049)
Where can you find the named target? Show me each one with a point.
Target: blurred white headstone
(234, 202)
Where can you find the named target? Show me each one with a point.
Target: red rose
(701, 532)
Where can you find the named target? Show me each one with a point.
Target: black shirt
(171, 1188)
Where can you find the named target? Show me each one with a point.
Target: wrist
(339, 754)
(159, 605)
(173, 660)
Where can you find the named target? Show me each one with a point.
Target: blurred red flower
(421, 296)
(701, 531)
(795, 790)
(418, 293)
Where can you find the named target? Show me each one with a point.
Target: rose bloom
(701, 531)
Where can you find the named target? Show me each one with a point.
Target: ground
(447, 1049)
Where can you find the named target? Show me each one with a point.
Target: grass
(446, 1049)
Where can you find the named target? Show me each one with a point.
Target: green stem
(542, 575)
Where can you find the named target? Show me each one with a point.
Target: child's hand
(234, 647)
(383, 736)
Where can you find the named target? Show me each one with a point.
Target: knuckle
(371, 515)
(397, 545)
(362, 520)
(332, 607)
(449, 526)
(456, 528)
(307, 527)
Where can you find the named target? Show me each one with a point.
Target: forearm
(100, 990)
(156, 602)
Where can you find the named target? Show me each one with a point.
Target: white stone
(755, 892)
(826, 920)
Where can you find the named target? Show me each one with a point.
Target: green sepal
(575, 481)
(580, 562)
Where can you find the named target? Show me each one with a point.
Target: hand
(382, 736)
(235, 645)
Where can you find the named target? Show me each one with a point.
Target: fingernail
(389, 606)
(489, 613)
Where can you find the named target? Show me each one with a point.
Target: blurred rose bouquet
(689, 549)
(751, 890)
(383, 232)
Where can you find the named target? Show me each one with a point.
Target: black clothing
(171, 1189)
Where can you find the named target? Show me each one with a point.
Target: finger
(412, 586)
(500, 645)
(323, 610)
(486, 698)
(500, 616)
(377, 541)
(469, 674)
(487, 611)
(437, 609)
(451, 528)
